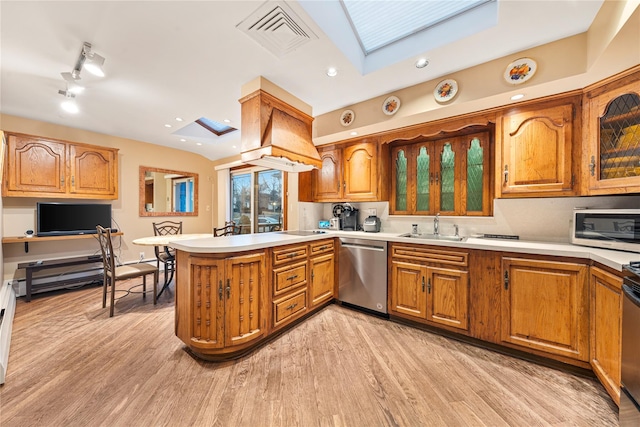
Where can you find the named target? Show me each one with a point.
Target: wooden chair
(112, 274)
(228, 229)
(164, 254)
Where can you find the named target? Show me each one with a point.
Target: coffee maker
(349, 218)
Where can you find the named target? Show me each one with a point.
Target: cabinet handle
(292, 277)
(437, 178)
(338, 189)
(292, 306)
(62, 180)
(344, 185)
(506, 280)
(422, 283)
(592, 166)
(429, 285)
(292, 254)
(312, 275)
(506, 174)
(431, 178)
(228, 288)
(73, 181)
(220, 290)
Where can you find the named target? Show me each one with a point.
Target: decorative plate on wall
(446, 90)
(520, 70)
(391, 105)
(347, 117)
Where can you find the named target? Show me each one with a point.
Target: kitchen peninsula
(235, 292)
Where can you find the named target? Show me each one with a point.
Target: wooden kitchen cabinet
(322, 270)
(290, 284)
(351, 172)
(537, 146)
(39, 167)
(225, 299)
(447, 175)
(612, 121)
(430, 284)
(544, 306)
(606, 329)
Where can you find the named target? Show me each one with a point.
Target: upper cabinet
(535, 146)
(447, 175)
(38, 167)
(612, 155)
(350, 172)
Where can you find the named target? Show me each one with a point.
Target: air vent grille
(277, 28)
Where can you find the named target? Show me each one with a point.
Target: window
(257, 198)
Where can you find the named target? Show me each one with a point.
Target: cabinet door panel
(36, 165)
(244, 276)
(207, 306)
(408, 289)
(327, 182)
(322, 279)
(448, 300)
(543, 306)
(536, 151)
(360, 171)
(92, 171)
(606, 329)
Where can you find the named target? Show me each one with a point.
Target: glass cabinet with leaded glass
(449, 175)
(613, 123)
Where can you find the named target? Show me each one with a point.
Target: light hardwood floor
(72, 365)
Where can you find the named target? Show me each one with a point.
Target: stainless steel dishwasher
(363, 274)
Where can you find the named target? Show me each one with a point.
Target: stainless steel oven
(630, 371)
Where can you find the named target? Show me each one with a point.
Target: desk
(166, 242)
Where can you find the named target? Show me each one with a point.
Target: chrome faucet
(436, 225)
(414, 229)
(457, 231)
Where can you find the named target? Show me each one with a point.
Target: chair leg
(104, 290)
(155, 287)
(113, 296)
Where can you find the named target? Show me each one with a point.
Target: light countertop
(245, 242)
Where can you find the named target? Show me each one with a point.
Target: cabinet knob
(506, 174)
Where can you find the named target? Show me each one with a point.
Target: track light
(92, 61)
(69, 104)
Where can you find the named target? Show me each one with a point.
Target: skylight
(214, 127)
(379, 23)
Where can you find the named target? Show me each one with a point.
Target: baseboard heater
(7, 311)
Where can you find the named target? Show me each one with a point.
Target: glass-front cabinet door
(449, 176)
(613, 162)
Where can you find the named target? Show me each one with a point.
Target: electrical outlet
(373, 212)
(141, 256)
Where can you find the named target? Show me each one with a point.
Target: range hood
(276, 135)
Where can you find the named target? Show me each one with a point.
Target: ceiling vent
(276, 27)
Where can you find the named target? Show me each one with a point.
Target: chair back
(229, 229)
(104, 238)
(165, 228)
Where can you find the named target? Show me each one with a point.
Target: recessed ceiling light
(178, 119)
(227, 121)
(332, 72)
(198, 143)
(354, 133)
(421, 63)
(167, 125)
(234, 146)
(183, 140)
(517, 96)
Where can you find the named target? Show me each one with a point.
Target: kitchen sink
(427, 236)
(302, 232)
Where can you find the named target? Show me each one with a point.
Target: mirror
(165, 192)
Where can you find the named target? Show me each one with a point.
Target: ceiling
(169, 59)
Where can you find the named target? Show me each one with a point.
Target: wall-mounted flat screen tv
(60, 219)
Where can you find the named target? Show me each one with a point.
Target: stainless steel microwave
(607, 228)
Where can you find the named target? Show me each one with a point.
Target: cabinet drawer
(428, 254)
(287, 254)
(321, 247)
(286, 308)
(286, 278)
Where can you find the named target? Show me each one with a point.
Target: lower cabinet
(223, 303)
(544, 306)
(322, 270)
(289, 284)
(430, 285)
(606, 329)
